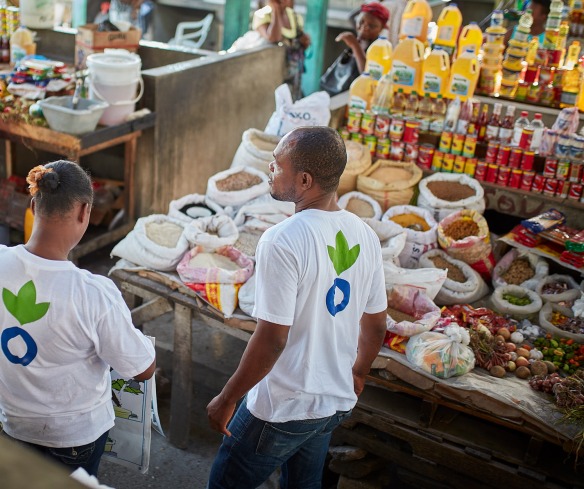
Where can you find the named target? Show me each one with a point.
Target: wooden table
(73, 148)
(158, 295)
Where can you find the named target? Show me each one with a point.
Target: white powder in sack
(213, 260)
(164, 233)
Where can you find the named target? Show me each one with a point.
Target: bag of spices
(520, 268)
(518, 302)
(559, 289)
(410, 311)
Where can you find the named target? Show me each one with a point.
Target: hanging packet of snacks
(567, 121)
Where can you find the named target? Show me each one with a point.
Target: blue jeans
(256, 448)
(85, 456)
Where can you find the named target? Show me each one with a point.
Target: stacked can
(410, 138)
(12, 20)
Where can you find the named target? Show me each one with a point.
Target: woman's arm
(273, 31)
(352, 42)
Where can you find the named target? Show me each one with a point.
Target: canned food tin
(437, 161)
(492, 172)
(481, 171)
(445, 142)
(354, 120)
(382, 122)
(371, 143)
(357, 136)
(397, 150)
(527, 180)
(448, 163)
(459, 164)
(550, 186)
(526, 137)
(368, 123)
(457, 144)
(527, 160)
(503, 155)
(411, 154)
(382, 151)
(470, 166)
(470, 146)
(538, 183)
(550, 167)
(503, 176)
(562, 189)
(425, 155)
(563, 170)
(396, 129)
(515, 178)
(412, 132)
(575, 192)
(576, 172)
(492, 150)
(515, 157)
(345, 134)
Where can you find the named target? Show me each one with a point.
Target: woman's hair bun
(43, 178)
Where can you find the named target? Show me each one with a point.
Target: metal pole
(315, 27)
(236, 20)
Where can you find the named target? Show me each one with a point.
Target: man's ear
(307, 180)
(84, 212)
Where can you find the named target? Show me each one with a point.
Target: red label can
(382, 151)
(368, 123)
(503, 176)
(411, 154)
(538, 183)
(396, 129)
(550, 186)
(503, 155)
(448, 163)
(492, 150)
(515, 158)
(575, 192)
(515, 178)
(527, 160)
(526, 137)
(354, 120)
(527, 180)
(550, 167)
(492, 171)
(437, 161)
(457, 144)
(470, 166)
(425, 155)
(563, 170)
(576, 172)
(481, 171)
(459, 164)
(563, 188)
(382, 122)
(412, 132)
(397, 150)
(445, 142)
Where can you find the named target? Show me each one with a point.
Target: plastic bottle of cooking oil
(415, 19)
(412, 103)
(398, 104)
(572, 56)
(408, 59)
(449, 23)
(21, 44)
(425, 107)
(435, 73)
(471, 37)
(383, 95)
(361, 92)
(463, 76)
(378, 58)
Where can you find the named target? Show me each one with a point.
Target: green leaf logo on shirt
(342, 257)
(24, 306)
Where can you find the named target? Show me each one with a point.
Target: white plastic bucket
(121, 99)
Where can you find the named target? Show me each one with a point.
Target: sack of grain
(392, 240)
(520, 268)
(256, 150)
(420, 228)
(445, 193)
(262, 213)
(225, 265)
(211, 232)
(558, 288)
(360, 204)
(463, 285)
(515, 301)
(157, 242)
(465, 236)
(192, 207)
(390, 182)
(410, 311)
(236, 186)
(358, 161)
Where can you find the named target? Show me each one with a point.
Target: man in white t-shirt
(321, 310)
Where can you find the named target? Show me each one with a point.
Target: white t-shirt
(294, 287)
(60, 330)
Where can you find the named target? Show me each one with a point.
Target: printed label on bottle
(374, 69)
(403, 74)
(460, 85)
(517, 131)
(536, 139)
(413, 26)
(505, 135)
(357, 102)
(16, 53)
(445, 33)
(491, 133)
(431, 83)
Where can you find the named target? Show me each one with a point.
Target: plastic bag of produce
(256, 150)
(358, 161)
(558, 288)
(360, 204)
(211, 232)
(192, 207)
(445, 193)
(520, 268)
(313, 110)
(463, 285)
(516, 301)
(157, 242)
(420, 228)
(443, 355)
(464, 235)
(560, 321)
(410, 311)
(429, 279)
(236, 186)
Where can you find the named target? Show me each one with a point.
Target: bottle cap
(524, 113)
(538, 115)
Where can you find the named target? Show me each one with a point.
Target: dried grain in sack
(360, 204)
(193, 206)
(236, 186)
(256, 150)
(358, 162)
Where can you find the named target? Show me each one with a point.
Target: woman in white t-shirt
(61, 328)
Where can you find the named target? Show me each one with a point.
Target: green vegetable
(517, 301)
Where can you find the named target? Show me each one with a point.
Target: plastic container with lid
(378, 58)
(361, 92)
(435, 73)
(415, 19)
(464, 76)
(449, 23)
(408, 59)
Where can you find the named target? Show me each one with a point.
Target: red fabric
(377, 10)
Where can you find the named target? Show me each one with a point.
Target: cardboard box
(89, 40)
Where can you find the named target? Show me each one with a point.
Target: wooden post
(236, 20)
(315, 27)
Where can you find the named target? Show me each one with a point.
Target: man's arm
(263, 350)
(148, 373)
(371, 335)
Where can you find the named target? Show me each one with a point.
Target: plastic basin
(61, 117)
